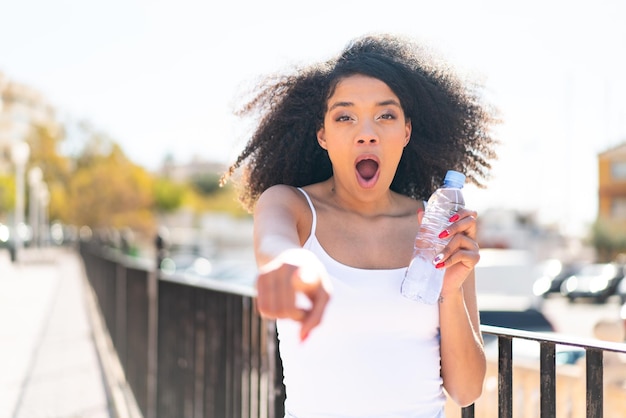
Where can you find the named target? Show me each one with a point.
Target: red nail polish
(440, 265)
(444, 234)
(454, 218)
(304, 337)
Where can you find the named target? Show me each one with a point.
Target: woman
(343, 157)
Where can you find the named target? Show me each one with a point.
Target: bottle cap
(454, 179)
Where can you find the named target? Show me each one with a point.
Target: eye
(388, 116)
(342, 118)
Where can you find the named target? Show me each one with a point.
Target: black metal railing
(191, 349)
(594, 353)
(188, 349)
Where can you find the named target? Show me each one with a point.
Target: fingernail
(438, 258)
(304, 337)
(444, 233)
(454, 218)
(440, 265)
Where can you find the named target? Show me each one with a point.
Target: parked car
(8, 234)
(242, 271)
(526, 319)
(598, 281)
(531, 350)
(553, 273)
(621, 292)
(530, 319)
(187, 263)
(5, 234)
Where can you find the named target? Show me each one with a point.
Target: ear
(321, 138)
(408, 129)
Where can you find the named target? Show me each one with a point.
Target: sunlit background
(161, 77)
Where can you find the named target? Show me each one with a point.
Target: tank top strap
(314, 222)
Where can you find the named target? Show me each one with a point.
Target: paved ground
(49, 362)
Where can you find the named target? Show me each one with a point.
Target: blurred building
(612, 185)
(21, 109)
(505, 229)
(194, 168)
(512, 230)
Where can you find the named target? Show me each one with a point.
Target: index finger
(463, 220)
(314, 316)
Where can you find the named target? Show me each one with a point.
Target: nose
(367, 141)
(367, 134)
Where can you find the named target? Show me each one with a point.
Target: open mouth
(367, 171)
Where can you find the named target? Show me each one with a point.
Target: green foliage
(168, 195)
(7, 194)
(111, 191)
(206, 184)
(207, 196)
(224, 201)
(44, 143)
(98, 186)
(609, 239)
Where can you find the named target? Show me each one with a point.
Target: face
(364, 132)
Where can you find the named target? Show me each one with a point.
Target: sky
(162, 77)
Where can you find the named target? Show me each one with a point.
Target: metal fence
(191, 349)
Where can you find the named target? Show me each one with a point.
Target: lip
(369, 183)
(366, 157)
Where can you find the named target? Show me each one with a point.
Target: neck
(369, 202)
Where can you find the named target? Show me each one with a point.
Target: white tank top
(375, 354)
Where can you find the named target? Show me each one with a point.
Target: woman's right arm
(285, 268)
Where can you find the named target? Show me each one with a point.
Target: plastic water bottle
(423, 281)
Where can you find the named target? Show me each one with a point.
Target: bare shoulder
(408, 205)
(284, 205)
(282, 201)
(282, 195)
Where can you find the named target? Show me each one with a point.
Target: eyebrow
(389, 102)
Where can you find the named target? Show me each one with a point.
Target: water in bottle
(422, 281)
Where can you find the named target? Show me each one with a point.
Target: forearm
(269, 247)
(275, 225)
(463, 363)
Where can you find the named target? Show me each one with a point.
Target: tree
(168, 195)
(206, 184)
(108, 190)
(208, 196)
(45, 141)
(608, 239)
(7, 195)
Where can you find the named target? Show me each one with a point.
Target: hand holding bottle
(461, 253)
(425, 275)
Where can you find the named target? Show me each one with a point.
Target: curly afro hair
(451, 124)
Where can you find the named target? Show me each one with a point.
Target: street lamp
(20, 152)
(44, 201)
(35, 176)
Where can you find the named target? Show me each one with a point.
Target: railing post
(505, 377)
(468, 411)
(595, 386)
(276, 391)
(152, 357)
(120, 313)
(547, 368)
(161, 244)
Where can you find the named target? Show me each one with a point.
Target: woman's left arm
(463, 363)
